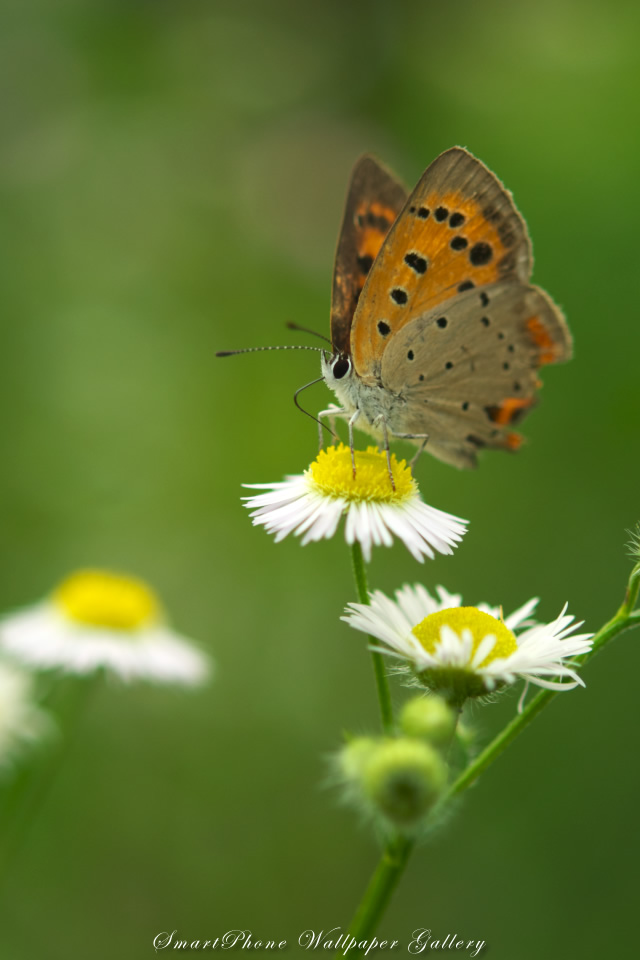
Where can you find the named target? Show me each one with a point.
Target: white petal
(485, 647)
(519, 616)
(416, 603)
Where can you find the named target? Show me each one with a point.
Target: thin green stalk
(377, 895)
(632, 592)
(610, 630)
(22, 798)
(382, 686)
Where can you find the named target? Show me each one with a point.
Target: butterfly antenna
(298, 346)
(317, 420)
(314, 333)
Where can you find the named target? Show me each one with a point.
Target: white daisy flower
(95, 619)
(311, 505)
(469, 651)
(21, 721)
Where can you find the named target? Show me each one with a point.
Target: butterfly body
(437, 333)
(370, 398)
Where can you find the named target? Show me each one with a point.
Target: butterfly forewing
(466, 372)
(374, 200)
(458, 230)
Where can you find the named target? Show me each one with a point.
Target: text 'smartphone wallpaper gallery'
(320, 552)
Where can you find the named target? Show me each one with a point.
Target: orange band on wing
(370, 241)
(373, 222)
(514, 441)
(549, 349)
(507, 411)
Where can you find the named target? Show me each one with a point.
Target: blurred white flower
(95, 619)
(21, 721)
(311, 505)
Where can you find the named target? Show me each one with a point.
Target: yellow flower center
(480, 625)
(106, 600)
(332, 474)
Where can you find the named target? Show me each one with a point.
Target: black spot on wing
(416, 262)
(480, 254)
(399, 295)
(490, 213)
(378, 222)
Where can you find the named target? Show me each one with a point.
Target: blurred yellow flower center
(106, 600)
(332, 474)
(479, 624)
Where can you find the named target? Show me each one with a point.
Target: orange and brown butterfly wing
(466, 372)
(459, 229)
(374, 200)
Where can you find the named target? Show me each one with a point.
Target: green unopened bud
(428, 718)
(403, 779)
(354, 756)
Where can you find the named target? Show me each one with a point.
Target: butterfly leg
(352, 420)
(385, 437)
(331, 412)
(414, 436)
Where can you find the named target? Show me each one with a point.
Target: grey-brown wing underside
(467, 371)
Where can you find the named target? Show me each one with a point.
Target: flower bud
(402, 779)
(354, 756)
(428, 718)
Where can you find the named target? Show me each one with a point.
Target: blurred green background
(171, 183)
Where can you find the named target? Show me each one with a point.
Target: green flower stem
(621, 621)
(632, 592)
(378, 893)
(382, 686)
(22, 797)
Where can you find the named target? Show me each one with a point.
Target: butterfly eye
(341, 368)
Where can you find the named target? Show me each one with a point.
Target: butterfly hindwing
(467, 371)
(374, 200)
(458, 230)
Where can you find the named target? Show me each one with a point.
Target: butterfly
(437, 335)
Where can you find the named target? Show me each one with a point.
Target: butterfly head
(336, 367)
(338, 374)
